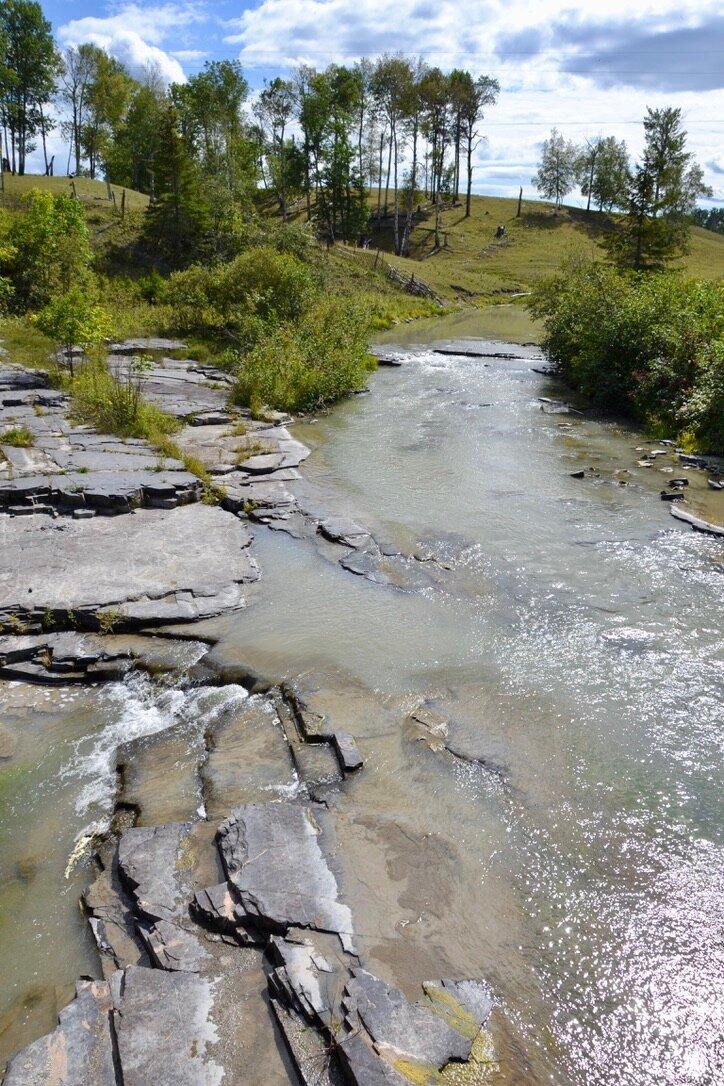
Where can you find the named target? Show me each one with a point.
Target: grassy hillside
(94, 194)
(475, 267)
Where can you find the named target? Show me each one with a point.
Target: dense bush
(44, 249)
(304, 364)
(651, 346)
(243, 299)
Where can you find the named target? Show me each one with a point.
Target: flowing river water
(566, 844)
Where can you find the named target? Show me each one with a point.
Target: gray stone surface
(79, 1051)
(248, 759)
(163, 566)
(697, 523)
(164, 1029)
(392, 1022)
(150, 862)
(294, 884)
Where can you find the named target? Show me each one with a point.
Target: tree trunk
(379, 179)
(411, 194)
(389, 167)
(469, 193)
(396, 224)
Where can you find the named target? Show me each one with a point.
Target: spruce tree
(177, 218)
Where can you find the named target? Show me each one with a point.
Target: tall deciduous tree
(557, 170)
(274, 109)
(28, 67)
(107, 97)
(476, 95)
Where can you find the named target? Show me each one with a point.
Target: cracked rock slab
(78, 1052)
(164, 1028)
(161, 566)
(273, 856)
(393, 1023)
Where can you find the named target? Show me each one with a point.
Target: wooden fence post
(123, 204)
(520, 201)
(72, 189)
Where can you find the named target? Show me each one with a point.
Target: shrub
(114, 403)
(74, 320)
(306, 364)
(651, 346)
(241, 299)
(46, 247)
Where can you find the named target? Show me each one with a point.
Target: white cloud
(134, 35)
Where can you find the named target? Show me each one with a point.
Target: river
(565, 843)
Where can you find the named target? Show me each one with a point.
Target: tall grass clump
(306, 364)
(113, 403)
(650, 346)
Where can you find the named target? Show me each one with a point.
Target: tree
(557, 171)
(129, 157)
(108, 94)
(611, 175)
(475, 96)
(177, 218)
(73, 319)
(274, 110)
(662, 194)
(28, 68)
(48, 249)
(391, 81)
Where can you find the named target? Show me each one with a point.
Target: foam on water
(131, 709)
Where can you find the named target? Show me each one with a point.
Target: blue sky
(589, 68)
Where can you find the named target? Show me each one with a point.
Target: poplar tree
(28, 67)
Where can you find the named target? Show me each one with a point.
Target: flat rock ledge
(229, 955)
(164, 566)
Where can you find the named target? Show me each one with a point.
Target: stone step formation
(219, 936)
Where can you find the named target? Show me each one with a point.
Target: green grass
(475, 268)
(94, 194)
(19, 437)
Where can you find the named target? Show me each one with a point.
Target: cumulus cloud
(134, 35)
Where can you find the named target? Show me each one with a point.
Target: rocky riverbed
(305, 815)
(227, 948)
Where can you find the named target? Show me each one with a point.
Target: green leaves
(648, 345)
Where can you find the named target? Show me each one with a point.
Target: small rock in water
(578, 474)
(667, 496)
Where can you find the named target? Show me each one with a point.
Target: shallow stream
(567, 846)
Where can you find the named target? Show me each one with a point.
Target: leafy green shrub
(651, 346)
(308, 363)
(241, 299)
(18, 436)
(73, 319)
(45, 248)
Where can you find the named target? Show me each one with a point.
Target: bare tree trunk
(469, 193)
(42, 133)
(396, 224)
(389, 167)
(411, 194)
(379, 178)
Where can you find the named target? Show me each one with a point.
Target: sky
(589, 68)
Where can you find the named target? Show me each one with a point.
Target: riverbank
(387, 606)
